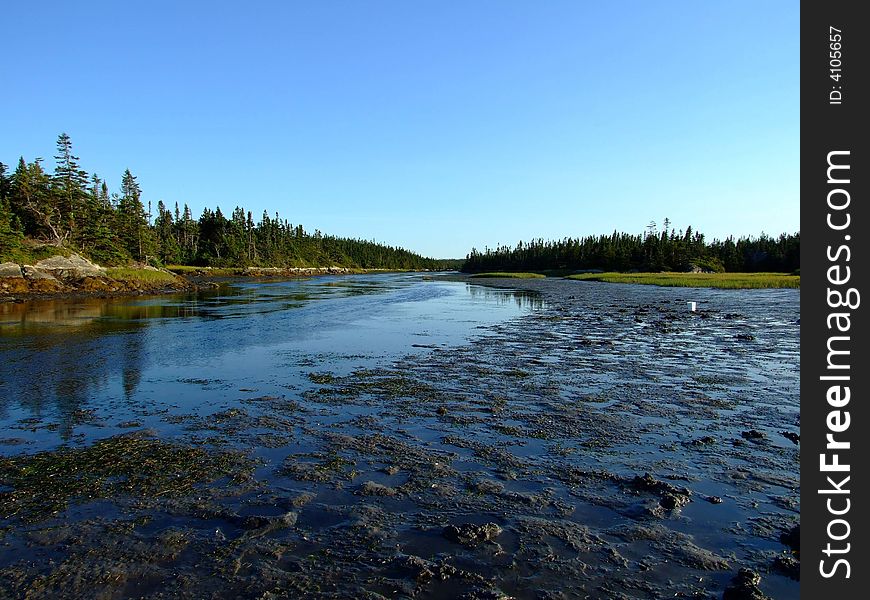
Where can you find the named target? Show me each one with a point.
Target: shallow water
(195, 352)
(384, 408)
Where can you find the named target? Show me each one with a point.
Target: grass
(712, 280)
(210, 271)
(30, 254)
(511, 275)
(143, 275)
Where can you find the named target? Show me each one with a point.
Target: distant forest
(665, 250)
(73, 209)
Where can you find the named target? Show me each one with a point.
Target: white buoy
(693, 306)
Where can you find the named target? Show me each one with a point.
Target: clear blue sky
(434, 125)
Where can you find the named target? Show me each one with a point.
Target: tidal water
(411, 436)
(65, 364)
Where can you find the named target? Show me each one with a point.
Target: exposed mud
(610, 444)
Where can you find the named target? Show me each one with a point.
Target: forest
(654, 251)
(72, 209)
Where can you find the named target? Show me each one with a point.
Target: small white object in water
(693, 306)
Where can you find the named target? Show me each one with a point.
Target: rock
(704, 441)
(71, 267)
(34, 273)
(271, 523)
(372, 488)
(94, 284)
(745, 337)
(471, 535)
(792, 539)
(40, 282)
(753, 434)
(10, 269)
(745, 587)
(788, 566)
(674, 501)
(794, 438)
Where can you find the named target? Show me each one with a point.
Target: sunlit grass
(143, 275)
(713, 280)
(511, 275)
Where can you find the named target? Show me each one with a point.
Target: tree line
(653, 251)
(71, 208)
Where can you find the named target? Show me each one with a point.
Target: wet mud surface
(605, 443)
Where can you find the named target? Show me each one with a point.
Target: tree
(70, 187)
(10, 228)
(133, 230)
(31, 198)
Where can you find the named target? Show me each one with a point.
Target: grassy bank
(712, 280)
(140, 275)
(511, 275)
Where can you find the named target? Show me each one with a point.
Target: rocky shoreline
(75, 276)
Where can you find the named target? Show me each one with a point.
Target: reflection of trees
(524, 299)
(56, 354)
(59, 356)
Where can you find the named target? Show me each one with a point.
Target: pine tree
(10, 228)
(133, 230)
(70, 188)
(31, 199)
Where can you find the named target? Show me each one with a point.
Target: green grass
(712, 280)
(511, 275)
(210, 271)
(30, 254)
(143, 275)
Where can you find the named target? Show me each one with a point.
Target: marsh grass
(511, 275)
(712, 280)
(142, 275)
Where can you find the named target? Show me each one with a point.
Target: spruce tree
(70, 187)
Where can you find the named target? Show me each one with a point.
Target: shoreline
(149, 281)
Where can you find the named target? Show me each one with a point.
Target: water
(201, 352)
(613, 442)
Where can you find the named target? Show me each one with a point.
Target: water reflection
(60, 359)
(526, 300)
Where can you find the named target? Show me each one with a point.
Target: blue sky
(434, 125)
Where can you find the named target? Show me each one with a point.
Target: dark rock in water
(372, 488)
(266, 522)
(788, 566)
(424, 570)
(792, 436)
(753, 434)
(745, 337)
(714, 499)
(704, 441)
(673, 501)
(471, 535)
(745, 587)
(792, 539)
(442, 410)
(648, 483)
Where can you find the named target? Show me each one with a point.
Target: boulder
(36, 274)
(70, 267)
(41, 282)
(10, 269)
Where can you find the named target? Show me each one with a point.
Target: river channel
(401, 436)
